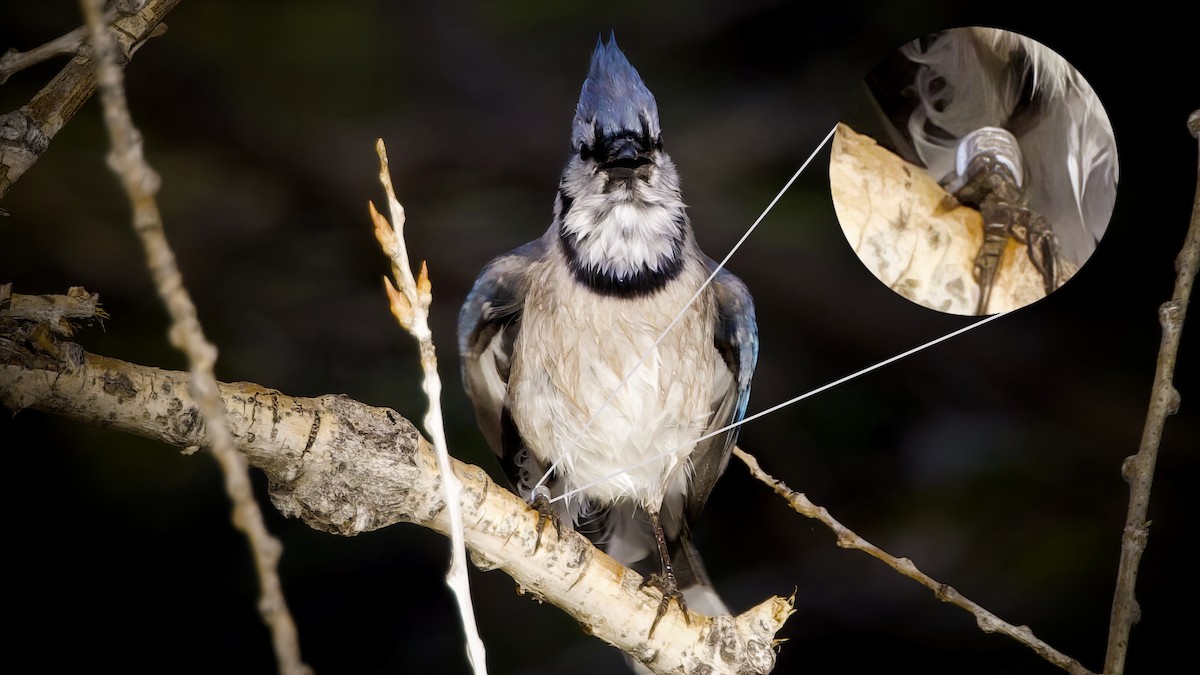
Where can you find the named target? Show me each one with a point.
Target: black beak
(626, 157)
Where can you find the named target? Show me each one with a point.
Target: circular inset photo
(975, 171)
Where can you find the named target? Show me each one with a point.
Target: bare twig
(846, 538)
(345, 467)
(410, 306)
(141, 184)
(25, 134)
(1138, 469)
(56, 311)
(13, 61)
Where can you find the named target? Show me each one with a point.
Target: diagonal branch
(141, 185)
(846, 538)
(1138, 469)
(345, 467)
(25, 134)
(13, 61)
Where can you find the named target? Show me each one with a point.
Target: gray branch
(1138, 469)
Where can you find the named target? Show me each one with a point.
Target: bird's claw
(546, 514)
(666, 584)
(1043, 250)
(998, 196)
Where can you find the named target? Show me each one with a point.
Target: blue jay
(559, 357)
(1009, 126)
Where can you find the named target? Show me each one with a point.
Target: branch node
(1129, 468)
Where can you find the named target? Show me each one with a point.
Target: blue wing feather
(735, 337)
(488, 324)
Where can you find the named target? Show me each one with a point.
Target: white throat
(619, 234)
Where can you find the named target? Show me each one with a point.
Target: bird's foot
(666, 585)
(1003, 220)
(995, 236)
(1031, 229)
(546, 514)
(990, 166)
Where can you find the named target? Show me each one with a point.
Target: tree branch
(846, 538)
(345, 467)
(13, 61)
(25, 134)
(410, 305)
(1138, 469)
(141, 185)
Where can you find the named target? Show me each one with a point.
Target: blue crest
(613, 99)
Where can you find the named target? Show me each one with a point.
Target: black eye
(585, 151)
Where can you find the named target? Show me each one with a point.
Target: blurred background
(992, 460)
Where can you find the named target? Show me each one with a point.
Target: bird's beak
(627, 158)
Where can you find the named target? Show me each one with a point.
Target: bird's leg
(993, 188)
(1034, 231)
(546, 514)
(1003, 219)
(664, 582)
(995, 236)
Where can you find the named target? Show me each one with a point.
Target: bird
(1007, 125)
(591, 371)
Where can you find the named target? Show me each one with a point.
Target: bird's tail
(690, 574)
(624, 532)
(693, 579)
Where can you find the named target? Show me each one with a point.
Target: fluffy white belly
(574, 349)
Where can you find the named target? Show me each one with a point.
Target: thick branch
(345, 467)
(26, 133)
(1138, 470)
(846, 538)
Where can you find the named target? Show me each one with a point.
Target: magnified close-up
(975, 171)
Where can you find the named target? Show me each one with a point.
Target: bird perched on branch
(592, 371)
(1010, 127)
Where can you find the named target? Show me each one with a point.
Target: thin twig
(1138, 470)
(141, 183)
(14, 61)
(25, 134)
(410, 306)
(846, 538)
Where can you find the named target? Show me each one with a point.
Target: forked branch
(25, 134)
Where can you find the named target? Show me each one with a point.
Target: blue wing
(736, 339)
(487, 327)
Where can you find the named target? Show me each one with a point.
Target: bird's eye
(585, 151)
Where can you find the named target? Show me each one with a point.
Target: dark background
(991, 460)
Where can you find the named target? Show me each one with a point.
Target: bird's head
(615, 137)
(619, 211)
